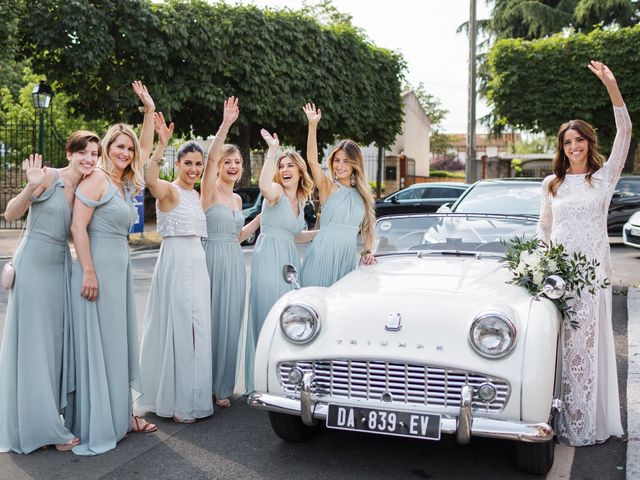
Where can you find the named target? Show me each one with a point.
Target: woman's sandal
(183, 420)
(65, 447)
(139, 424)
(223, 403)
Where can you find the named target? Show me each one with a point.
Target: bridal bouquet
(532, 261)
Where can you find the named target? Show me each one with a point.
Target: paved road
(238, 443)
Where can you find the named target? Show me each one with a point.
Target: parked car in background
(252, 205)
(430, 340)
(521, 196)
(624, 203)
(420, 198)
(631, 231)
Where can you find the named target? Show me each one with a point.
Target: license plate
(386, 422)
(635, 231)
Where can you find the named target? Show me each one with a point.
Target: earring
(353, 180)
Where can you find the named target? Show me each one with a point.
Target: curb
(633, 383)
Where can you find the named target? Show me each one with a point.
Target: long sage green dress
(334, 251)
(105, 331)
(175, 354)
(225, 263)
(275, 247)
(36, 343)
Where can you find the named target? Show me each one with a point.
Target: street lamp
(42, 95)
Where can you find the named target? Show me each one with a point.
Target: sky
(424, 31)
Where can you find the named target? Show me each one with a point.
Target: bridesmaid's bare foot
(223, 403)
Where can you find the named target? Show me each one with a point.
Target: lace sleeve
(543, 229)
(613, 167)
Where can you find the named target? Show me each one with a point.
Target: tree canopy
(192, 55)
(538, 85)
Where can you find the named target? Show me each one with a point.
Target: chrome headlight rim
(512, 332)
(314, 315)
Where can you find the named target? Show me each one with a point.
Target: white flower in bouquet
(538, 276)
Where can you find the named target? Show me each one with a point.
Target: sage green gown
(105, 331)
(36, 343)
(225, 263)
(334, 251)
(275, 247)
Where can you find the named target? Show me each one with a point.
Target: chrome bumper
(463, 425)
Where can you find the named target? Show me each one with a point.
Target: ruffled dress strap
(96, 203)
(49, 191)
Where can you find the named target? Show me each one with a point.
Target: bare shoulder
(94, 184)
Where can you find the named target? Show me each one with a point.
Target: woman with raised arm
(575, 201)
(347, 207)
(175, 356)
(225, 261)
(36, 356)
(285, 185)
(103, 300)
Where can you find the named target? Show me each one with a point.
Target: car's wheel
(251, 239)
(535, 458)
(290, 427)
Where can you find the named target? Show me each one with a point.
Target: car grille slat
(408, 384)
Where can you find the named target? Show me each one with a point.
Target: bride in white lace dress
(575, 201)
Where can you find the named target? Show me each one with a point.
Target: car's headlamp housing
(492, 335)
(300, 322)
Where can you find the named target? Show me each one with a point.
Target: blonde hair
(305, 184)
(132, 175)
(229, 149)
(356, 160)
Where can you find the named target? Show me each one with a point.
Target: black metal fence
(17, 142)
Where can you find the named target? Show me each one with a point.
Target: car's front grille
(402, 383)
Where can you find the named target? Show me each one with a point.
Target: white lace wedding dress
(577, 217)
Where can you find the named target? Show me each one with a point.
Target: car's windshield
(509, 198)
(248, 196)
(450, 232)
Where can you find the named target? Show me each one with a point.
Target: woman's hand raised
(36, 173)
(313, 115)
(143, 94)
(272, 140)
(163, 130)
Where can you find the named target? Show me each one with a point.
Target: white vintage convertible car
(430, 340)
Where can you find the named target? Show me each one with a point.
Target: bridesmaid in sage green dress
(347, 207)
(225, 261)
(103, 300)
(285, 185)
(36, 356)
(175, 352)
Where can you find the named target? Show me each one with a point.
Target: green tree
(537, 85)
(531, 19)
(193, 54)
(19, 110)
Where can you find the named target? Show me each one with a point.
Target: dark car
(420, 198)
(625, 202)
(521, 196)
(252, 205)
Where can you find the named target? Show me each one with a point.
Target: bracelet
(145, 109)
(365, 252)
(161, 161)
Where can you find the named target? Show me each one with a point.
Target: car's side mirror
(444, 208)
(617, 193)
(290, 275)
(394, 199)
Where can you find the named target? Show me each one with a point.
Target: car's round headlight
(299, 322)
(492, 335)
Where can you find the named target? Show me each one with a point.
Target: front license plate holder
(425, 426)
